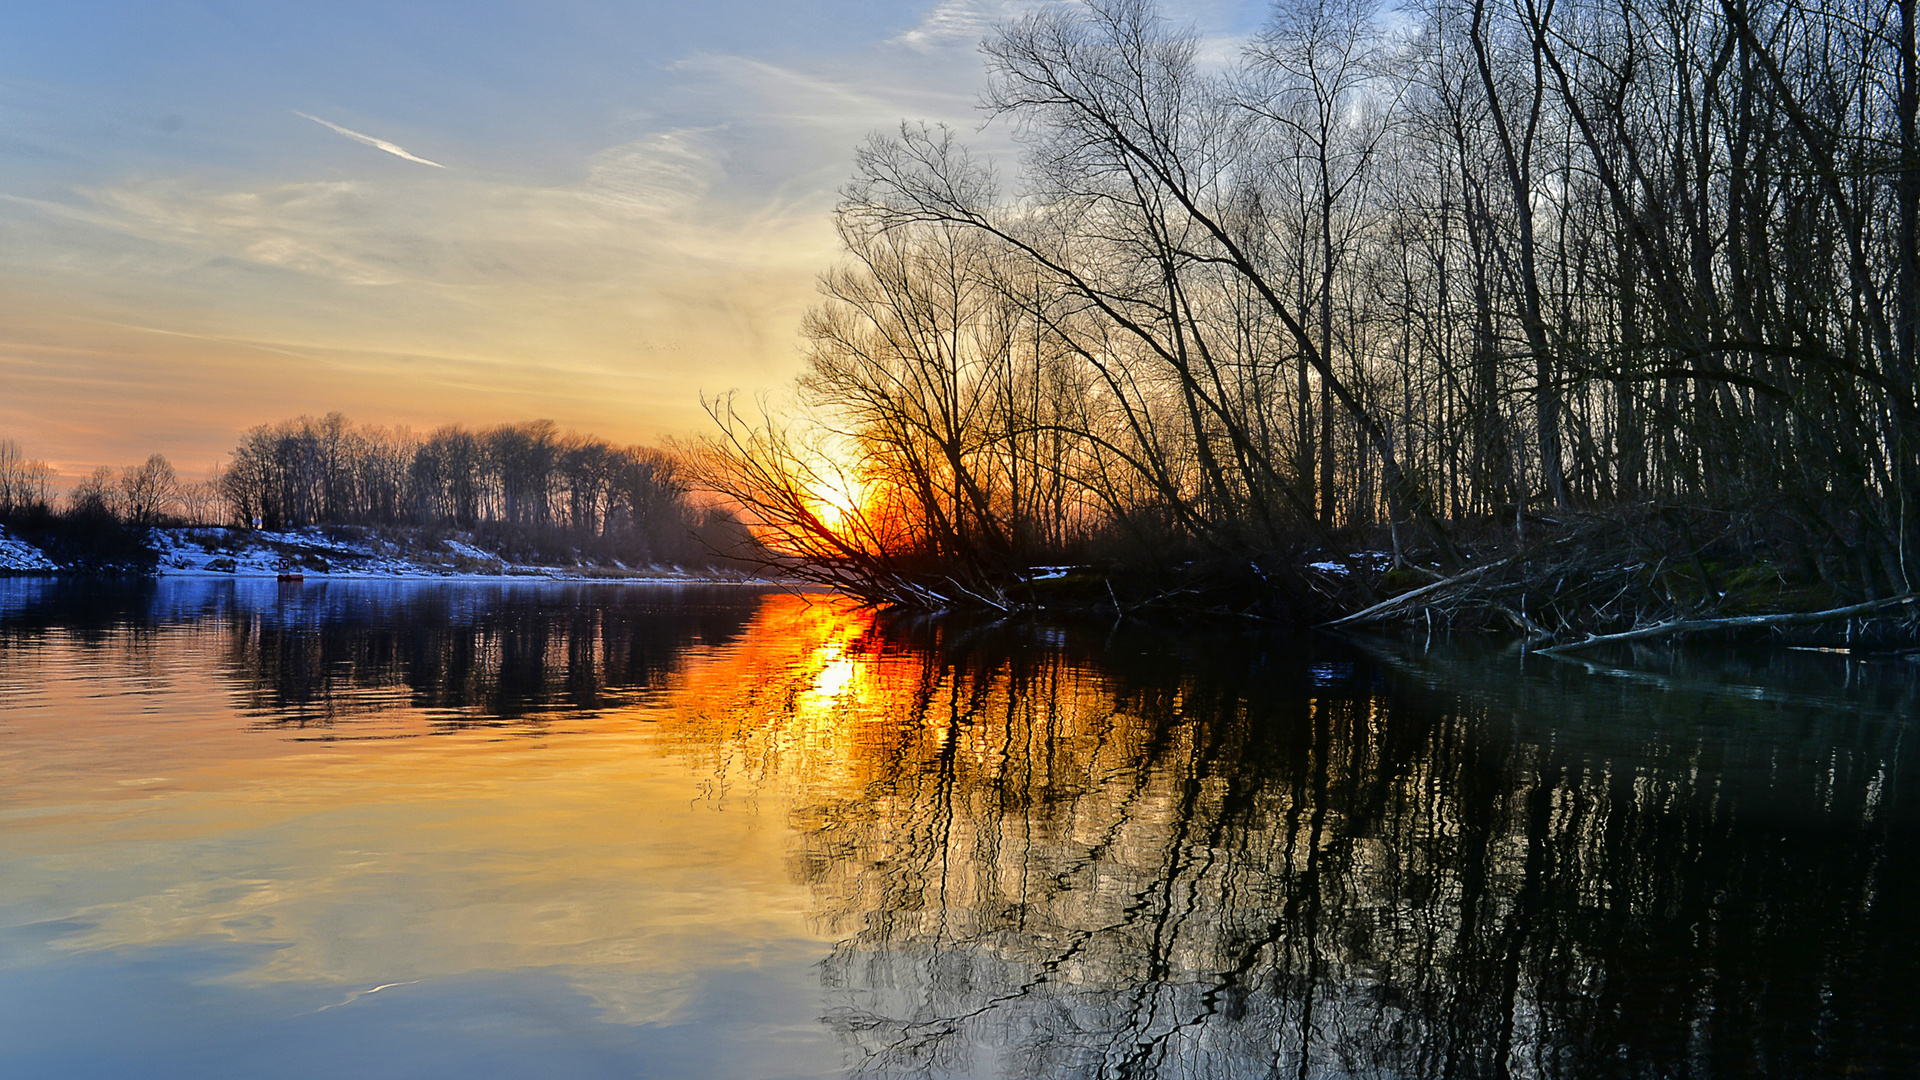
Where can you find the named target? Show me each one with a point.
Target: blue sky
(630, 205)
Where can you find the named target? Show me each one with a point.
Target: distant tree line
(528, 486)
(102, 521)
(529, 481)
(147, 494)
(1507, 259)
(142, 495)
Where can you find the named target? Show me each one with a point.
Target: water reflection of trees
(318, 654)
(89, 611)
(470, 655)
(1047, 851)
(1194, 861)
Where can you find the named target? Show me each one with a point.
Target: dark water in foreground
(469, 831)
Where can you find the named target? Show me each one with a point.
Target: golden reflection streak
(632, 848)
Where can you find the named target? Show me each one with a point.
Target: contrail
(378, 144)
(358, 994)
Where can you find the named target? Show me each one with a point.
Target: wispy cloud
(962, 23)
(379, 144)
(603, 280)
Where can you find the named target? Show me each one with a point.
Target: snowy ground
(1371, 560)
(21, 557)
(314, 553)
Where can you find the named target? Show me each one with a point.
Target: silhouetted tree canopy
(1486, 266)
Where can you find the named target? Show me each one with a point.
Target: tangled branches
(1649, 571)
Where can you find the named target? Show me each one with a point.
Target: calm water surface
(367, 830)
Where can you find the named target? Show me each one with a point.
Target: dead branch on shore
(1448, 595)
(1738, 622)
(1402, 604)
(1653, 571)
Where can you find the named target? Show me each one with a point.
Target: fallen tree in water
(1677, 627)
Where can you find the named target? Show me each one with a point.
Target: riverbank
(1561, 585)
(342, 553)
(1574, 581)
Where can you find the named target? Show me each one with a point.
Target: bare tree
(1540, 260)
(24, 482)
(149, 491)
(1319, 76)
(97, 496)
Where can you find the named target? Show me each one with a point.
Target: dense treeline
(1505, 259)
(311, 471)
(527, 482)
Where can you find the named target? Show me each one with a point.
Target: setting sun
(838, 498)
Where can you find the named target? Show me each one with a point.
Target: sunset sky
(218, 214)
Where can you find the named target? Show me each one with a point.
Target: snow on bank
(317, 553)
(1370, 560)
(471, 552)
(269, 554)
(18, 556)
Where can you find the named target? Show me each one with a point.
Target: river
(333, 829)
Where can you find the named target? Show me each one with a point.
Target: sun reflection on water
(993, 850)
